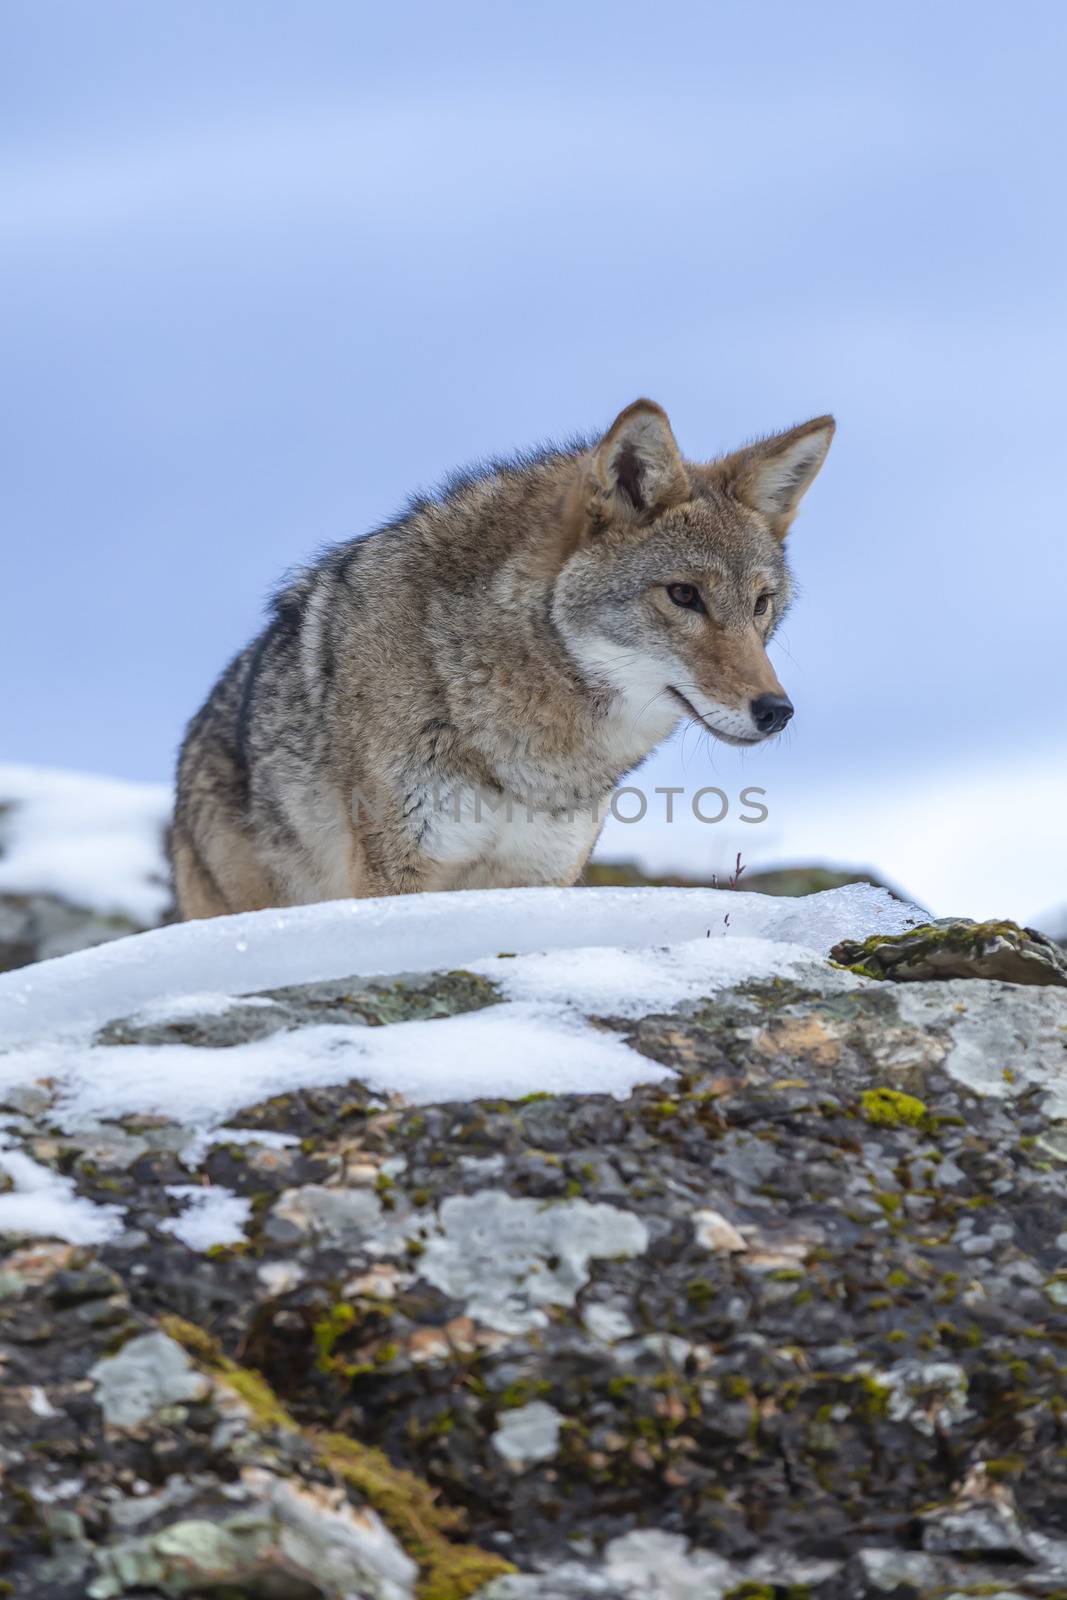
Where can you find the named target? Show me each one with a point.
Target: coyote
(448, 702)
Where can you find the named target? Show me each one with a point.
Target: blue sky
(267, 268)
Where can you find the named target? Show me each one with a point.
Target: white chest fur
(486, 841)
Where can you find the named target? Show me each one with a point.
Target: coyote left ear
(773, 476)
(636, 470)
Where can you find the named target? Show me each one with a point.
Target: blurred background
(269, 268)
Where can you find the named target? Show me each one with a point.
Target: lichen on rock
(789, 1321)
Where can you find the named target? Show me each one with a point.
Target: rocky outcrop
(36, 927)
(955, 947)
(791, 1323)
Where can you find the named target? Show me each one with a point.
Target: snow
(44, 1205)
(93, 842)
(630, 983)
(212, 1216)
(344, 938)
(501, 1052)
(559, 957)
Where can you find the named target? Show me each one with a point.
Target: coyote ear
(636, 469)
(773, 475)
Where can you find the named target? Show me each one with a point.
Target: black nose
(771, 712)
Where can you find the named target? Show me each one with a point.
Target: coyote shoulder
(447, 703)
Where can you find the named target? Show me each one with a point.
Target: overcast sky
(268, 267)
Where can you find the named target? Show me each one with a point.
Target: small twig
(734, 880)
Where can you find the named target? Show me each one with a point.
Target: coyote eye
(762, 603)
(686, 595)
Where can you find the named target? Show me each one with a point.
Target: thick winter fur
(445, 703)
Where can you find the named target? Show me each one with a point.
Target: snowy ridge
(557, 956)
(345, 938)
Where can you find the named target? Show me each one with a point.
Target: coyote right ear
(635, 472)
(772, 475)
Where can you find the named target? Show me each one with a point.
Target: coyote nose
(771, 712)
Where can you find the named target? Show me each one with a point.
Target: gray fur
(498, 641)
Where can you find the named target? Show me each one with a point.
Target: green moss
(440, 1426)
(521, 1392)
(873, 1405)
(253, 1389)
(405, 1503)
(860, 968)
(735, 1387)
(750, 1591)
(261, 1203)
(888, 1108)
(326, 1332)
(662, 1108)
(944, 1119)
(897, 1279)
(617, 1387)
(953, 937)
(191, 1338)
(409, 1508)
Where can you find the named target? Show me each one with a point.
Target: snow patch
(629, 983)
(43, 1205)
(93, 842)
(558, 956)
(213, 1215)
(346, 938)
(504, 1052)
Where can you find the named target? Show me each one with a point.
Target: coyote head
(676, 574)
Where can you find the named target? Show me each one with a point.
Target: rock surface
(793, 1323)
(37, 927)
(958, 948)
